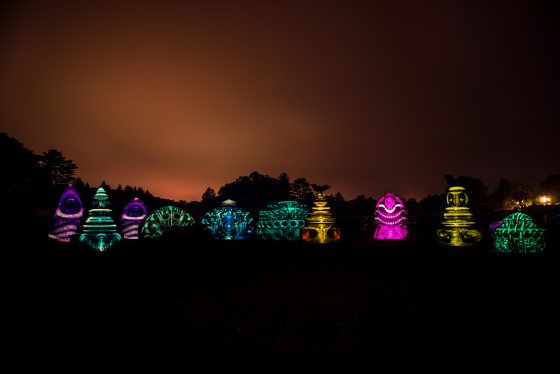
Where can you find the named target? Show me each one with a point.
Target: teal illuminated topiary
(100, 231)
(163, 219)
(518, 234)
(282, 221)
(228, 222)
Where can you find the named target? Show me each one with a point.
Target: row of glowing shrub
(284, 220)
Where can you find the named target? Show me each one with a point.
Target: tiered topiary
(458, 221)
(320, 224)
(100, 231)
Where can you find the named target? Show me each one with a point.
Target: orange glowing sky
(176, 97)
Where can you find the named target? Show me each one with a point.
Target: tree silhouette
(61, 170)
(339, 198)
(320, 188)
(431, 204)
(301, 189)
(510, 195)
(252, 191)
(209, 199)
(551, 185)
(208, 195)
(23, 187)
(283, 187)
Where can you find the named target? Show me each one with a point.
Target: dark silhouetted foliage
(60, 170)
(509, 195)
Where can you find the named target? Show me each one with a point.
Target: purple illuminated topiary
(67, 217)
(133, 215)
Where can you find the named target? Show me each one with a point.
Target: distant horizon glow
(367, 97)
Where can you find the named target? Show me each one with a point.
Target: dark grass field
(179, 300)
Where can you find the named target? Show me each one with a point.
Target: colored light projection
(282, 221)
(518, 234)
(319, 228)
(133, 216)
(494, 225)
(458, 220)
(100, 231)
(390, 216)
(165, 218)
(228, 222)
(67, 217)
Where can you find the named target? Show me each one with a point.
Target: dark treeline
(32, 184)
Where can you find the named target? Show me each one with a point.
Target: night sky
(176, 97)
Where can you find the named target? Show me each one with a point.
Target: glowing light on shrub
(100, 231)
(228, 222)
(165, 218)
(67, 217)
(390, 216)
(132, 217)
(518, 234)
(545, 200)
(282, 221)
(320, 224)
(458, 220)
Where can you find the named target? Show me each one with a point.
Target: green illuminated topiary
(100, 231)
(163, 219)
(518, 234)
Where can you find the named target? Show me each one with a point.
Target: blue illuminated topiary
(228, 222)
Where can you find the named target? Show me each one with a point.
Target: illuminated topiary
(100, 231)
(390, 216)
(518, 234)
(319, 228)
(282, 221)
(458, 220)
(163, 219)
(67, 217)
(228, 222)
(132, 217)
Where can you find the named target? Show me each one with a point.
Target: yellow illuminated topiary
(319, 227)
(458, 220)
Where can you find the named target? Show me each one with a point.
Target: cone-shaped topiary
(100, 231)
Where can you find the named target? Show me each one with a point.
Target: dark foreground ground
(175, 300)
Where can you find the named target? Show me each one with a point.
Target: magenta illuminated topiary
(390, 216)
